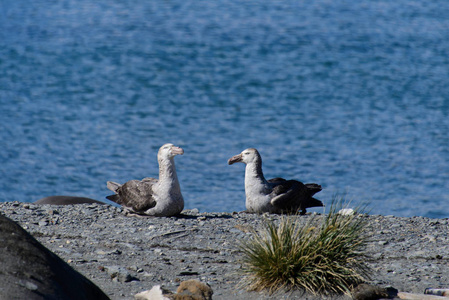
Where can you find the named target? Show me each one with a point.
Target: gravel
(125, 255)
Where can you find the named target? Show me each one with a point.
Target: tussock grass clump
(324, 259)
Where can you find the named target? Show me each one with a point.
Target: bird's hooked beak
(177, 150)
(235, 159)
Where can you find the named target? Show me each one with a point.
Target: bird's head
(169, 151)
(247, 156)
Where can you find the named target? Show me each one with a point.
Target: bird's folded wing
(286, 194)
(276, 180)
(138, 194)
(150, 180)
(313, 188)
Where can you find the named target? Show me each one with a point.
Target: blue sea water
(353, 95)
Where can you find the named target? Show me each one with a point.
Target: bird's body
(276, 195)
(150, 196)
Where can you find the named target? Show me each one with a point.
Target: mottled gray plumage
(276, 195)
(150, 196)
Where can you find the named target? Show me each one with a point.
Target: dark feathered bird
(276, 195)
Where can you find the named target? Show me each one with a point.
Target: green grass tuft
(319, 259)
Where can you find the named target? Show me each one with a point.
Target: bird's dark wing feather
(136, 194)
(276, 180)
(313, 188)
(292, 195)
(286, 193)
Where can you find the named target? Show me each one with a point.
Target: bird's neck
(254, 174)
(167, 172)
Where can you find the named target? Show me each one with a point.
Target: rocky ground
(125, 255)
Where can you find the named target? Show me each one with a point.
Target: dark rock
(66, 200)
(369, 292)
(187, 273)
(31, 271)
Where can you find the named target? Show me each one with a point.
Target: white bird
(276, 195)
(150, 196)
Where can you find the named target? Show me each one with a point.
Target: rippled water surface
(353, 95)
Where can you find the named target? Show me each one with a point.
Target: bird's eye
(246, 153)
